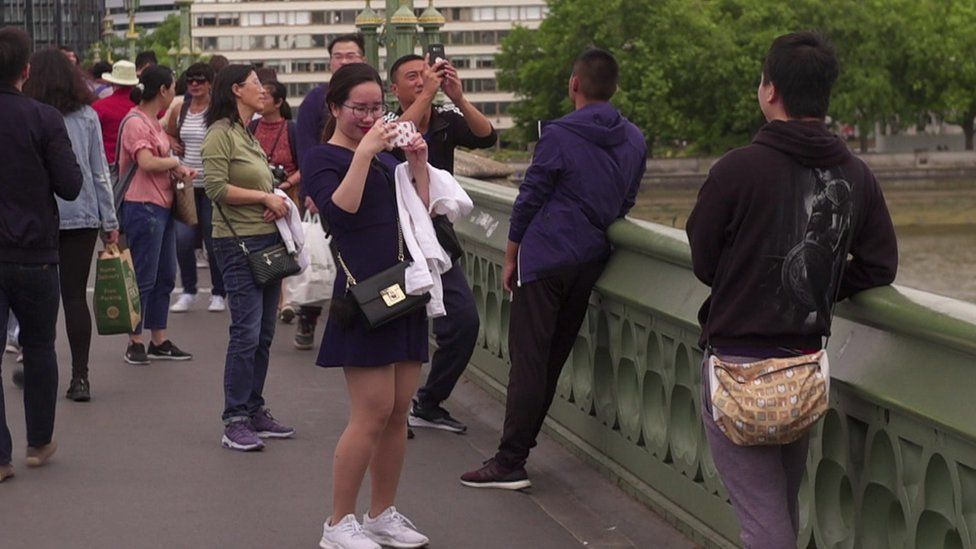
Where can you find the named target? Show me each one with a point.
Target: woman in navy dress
(350, 179)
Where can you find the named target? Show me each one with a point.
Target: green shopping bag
(117, 307)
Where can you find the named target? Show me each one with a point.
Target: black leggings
(76, 249)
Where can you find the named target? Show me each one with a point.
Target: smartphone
(435, 52)
(404, 133)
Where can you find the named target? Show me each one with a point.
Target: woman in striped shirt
(187, 128)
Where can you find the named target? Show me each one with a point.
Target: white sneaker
(183, 303)
(217, 304)
(393, 529)
(348, 534)
(201, 257)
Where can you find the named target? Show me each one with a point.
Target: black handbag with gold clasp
(268, 265)
(382, 298)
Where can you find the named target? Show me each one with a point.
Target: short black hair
(399, 63)
(100, 68)
(15, 51)
(352, 37)
(598, 74)
(803, 66)
(144, 58)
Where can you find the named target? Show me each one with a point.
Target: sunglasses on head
(196, 80)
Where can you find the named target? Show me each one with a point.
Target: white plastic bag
(314, 285)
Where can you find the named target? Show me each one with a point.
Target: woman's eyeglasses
(196, 80)
(360, 111)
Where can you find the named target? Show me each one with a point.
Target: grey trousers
(763, 481)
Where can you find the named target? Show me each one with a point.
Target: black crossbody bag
(381, 298)
(268, 265)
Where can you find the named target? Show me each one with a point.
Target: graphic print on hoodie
(808, 245)
(772, 232)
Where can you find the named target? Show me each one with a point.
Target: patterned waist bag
(769, 402)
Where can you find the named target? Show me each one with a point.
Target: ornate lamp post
(186, 41)
(131, 35)
(107, 34)
(431, 22)
(403, 23)
(368, 23)
(399, 34)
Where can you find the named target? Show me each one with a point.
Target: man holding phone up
(415, 81)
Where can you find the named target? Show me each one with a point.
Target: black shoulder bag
(268, 265)
(382, 298)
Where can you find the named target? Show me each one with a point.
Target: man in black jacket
(444, 127)
(38, 164)
(782, 229)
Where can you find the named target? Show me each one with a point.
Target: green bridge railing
(893, 464)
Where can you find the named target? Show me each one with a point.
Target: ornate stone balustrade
(892, 465)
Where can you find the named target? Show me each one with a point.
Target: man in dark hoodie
(782, 229)
(584, 176)
(35, 148)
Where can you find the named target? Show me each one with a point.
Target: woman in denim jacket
(56, 81)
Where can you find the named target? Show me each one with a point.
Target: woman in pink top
(147, 219)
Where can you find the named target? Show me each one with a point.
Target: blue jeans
(31, 291)
(149, 231)
(253, 312)
(186, 244)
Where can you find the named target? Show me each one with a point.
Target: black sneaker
(434, 417)
(305, 333)
(167, 351)
(495, 475)
(135, 353)
(79, 390)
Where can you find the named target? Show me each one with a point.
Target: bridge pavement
(140, 466)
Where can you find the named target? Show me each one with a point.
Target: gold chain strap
(351, 280)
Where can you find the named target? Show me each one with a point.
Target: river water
(936, 231)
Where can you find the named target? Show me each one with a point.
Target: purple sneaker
(266, 426)
(239, 435)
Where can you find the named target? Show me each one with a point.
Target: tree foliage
(159, 40)
(690, 68)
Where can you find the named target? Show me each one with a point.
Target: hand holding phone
(404, 133)
(435, 53)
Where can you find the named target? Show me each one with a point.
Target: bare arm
(147, 161)
(478, 123)
(349, 195)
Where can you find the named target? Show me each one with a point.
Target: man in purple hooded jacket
(584, 176)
